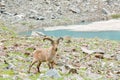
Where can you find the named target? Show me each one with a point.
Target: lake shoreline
(110, 25)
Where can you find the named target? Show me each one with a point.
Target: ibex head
(54, 42)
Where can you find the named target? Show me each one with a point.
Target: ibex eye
(56, 49)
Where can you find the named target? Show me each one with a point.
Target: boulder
(53, 73)
(37, 34)
(105, 11)
(74, 9)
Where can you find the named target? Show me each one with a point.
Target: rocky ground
(71, 64)
(22, 15)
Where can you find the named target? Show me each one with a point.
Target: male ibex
(45, 54)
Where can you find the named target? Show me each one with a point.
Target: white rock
(36, 34)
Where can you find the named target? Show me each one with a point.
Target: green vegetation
(115, 16)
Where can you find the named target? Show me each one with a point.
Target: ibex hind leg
(51, 65)
(33, 62)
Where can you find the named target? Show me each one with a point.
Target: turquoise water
(112, 35)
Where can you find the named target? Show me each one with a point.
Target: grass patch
(115, 16)
(4, 78)
(35, 77)
(8, 72)
(29, 49)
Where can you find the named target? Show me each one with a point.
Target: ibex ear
(46, 38)
(59, 39)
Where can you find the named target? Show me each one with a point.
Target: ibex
(45, 54)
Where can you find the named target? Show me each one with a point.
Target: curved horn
(59, 39)
(48, 39)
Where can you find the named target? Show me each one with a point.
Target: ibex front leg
(51, 64)
(33, 62)
(38, 66)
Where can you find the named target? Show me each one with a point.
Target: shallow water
(112, 35)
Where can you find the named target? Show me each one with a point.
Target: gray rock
(105, 11)
(53, 73)
(74, 9)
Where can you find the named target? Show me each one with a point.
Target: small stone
(72, 70)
